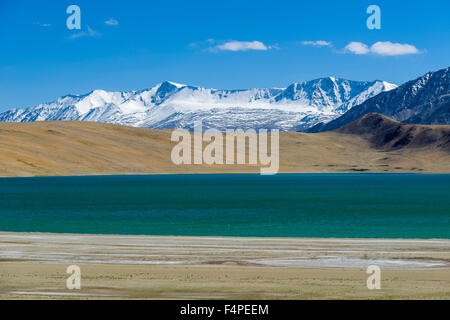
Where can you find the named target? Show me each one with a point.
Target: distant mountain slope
(50, 148)
(425, 100)
(171, 105)
(387, 134)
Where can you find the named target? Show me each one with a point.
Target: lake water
(285, 205)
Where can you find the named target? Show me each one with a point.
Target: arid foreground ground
(126, 267)
(373, 143)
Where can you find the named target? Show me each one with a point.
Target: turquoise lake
(285, 205)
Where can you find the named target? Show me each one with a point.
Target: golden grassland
(57, 148)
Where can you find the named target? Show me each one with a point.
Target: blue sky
(126, 45)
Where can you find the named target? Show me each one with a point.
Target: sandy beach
(33, 265)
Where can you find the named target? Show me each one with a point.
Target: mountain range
(425, 100)
(313, 106)
(170, 105)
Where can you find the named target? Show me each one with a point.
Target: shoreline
(229, 173)
(37, 233)
(33, 265)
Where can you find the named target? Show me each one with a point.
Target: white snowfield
(170, 105)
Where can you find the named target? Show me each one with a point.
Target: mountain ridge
(425, 100)
(300, 105)
(388, 134)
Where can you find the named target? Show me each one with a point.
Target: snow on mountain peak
(178, 85)
(174, 105)
(388, 86)
(98, 98)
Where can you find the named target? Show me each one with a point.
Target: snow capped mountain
(171, 105)
(425, 100)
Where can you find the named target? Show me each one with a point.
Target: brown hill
(87, 148)
(387, 134)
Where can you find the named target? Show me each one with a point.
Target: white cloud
(112, 22)
(207, 42)
(386, 48)
(90, 33)
(45, 25)
(393, 49)
(318, 43)
(242, 46)
(357, 48)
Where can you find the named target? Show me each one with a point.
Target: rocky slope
(425, 100)
(387, 134)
